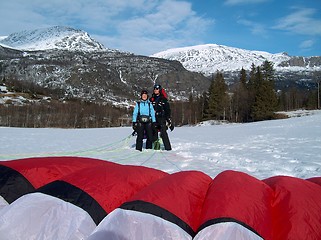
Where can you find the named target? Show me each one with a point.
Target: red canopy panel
(19, 177)
(235, 197)
(296, 208)
(101, 189)
(42, 170)
(181, 194)
(316, 180)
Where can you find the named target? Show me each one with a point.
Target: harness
(143, 118)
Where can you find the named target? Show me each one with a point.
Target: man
(163, 116)
(143, 118)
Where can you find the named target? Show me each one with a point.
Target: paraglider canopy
(94, 199)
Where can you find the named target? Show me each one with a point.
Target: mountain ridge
(209, 58)
(57, 37)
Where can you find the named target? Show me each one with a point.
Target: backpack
(163, 93)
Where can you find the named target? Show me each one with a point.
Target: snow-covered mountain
(69, 60)
(58, 37)
(209, 58)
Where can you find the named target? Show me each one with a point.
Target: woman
(163, 116)
(143, 118)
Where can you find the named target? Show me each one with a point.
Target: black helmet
(157, 86)
(143, 92)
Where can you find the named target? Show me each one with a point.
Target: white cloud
(140, 45)
(96, 15)
(255, 28)
(163, 20)
(17, 16)
(131, 25)
(171, 24)
(301, 21)
(240, 2)
(307, 44)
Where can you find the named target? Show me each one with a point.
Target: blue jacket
(146, 108)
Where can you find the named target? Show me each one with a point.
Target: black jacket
(161, 107)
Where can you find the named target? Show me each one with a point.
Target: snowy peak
(57, 37)
(209, 58)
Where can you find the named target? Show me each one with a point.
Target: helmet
(143, 92)
(157, 86)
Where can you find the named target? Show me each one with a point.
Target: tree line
(252, 98)
(73, 114)
(58, 110)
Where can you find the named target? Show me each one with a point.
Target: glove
(134, 126)
(154, 126)
(169, 124)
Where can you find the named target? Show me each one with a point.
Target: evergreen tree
(203, 104)
(251, 81)
(258, 80)
(241, 99)
(265, 103)
(243, 79)
(251, 87)
(268, 70)
(218, 98)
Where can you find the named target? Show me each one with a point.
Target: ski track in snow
(289, 147)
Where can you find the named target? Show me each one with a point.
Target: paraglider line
(104, 148)
(171, 162)
(149, 158)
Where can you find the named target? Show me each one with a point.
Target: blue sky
(150, 26)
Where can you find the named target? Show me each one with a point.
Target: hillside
(70, 61)
(209, 58)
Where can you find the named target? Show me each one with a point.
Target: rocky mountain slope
(69, 60)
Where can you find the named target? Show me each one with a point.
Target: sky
(146, 27)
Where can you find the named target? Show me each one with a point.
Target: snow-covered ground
(289, 147)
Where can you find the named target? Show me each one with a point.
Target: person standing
(163, 116)
(143, 119)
